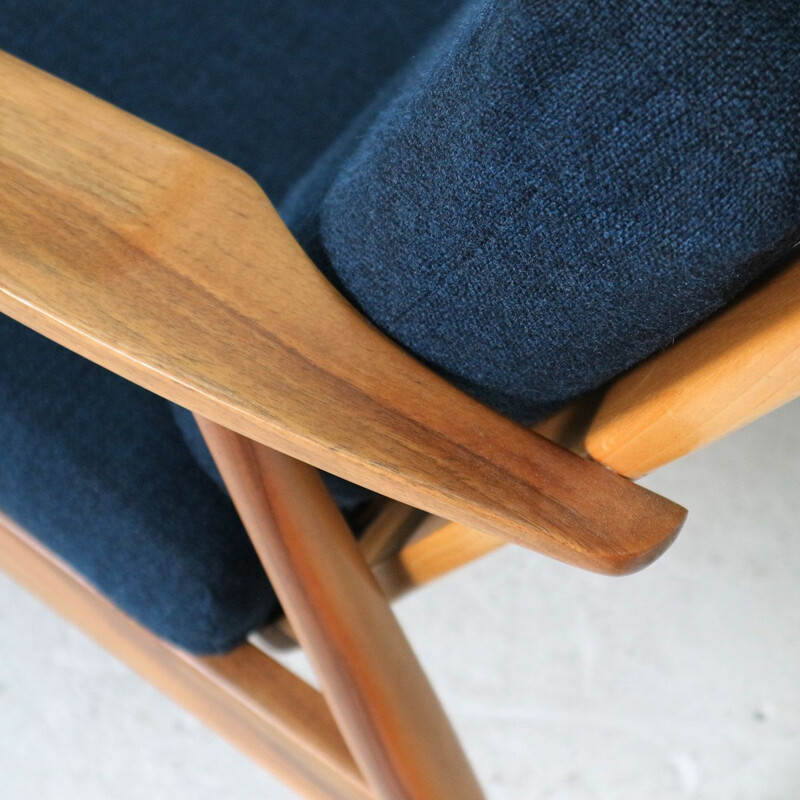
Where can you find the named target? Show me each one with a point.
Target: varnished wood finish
(381, 539)
(385, 707)
(735, 367)
(247, 697)
(170, 267)
(731, 370)
(438, 547)
(568, 426)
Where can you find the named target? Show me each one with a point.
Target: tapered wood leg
(379, 695)
(381, 540)
(251, 700)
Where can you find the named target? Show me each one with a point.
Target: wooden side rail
(438, 546)
(385, 707)
(264, 710)
(170, 267)
(386, 534)
(735, 367)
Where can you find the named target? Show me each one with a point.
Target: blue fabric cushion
(93, 466)
(266, 85)
(558, 189)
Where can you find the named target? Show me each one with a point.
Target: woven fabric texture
(559, 189)
(530, 196)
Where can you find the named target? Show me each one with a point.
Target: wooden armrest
(170, 267)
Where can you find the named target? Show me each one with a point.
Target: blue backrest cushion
(554, 190)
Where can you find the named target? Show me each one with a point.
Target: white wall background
(680, 682)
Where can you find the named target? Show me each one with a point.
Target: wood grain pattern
(438, 546)
(170, 267)
(381, 539)
(247, 697)
(734, 368)
(386, 709)
(737, 366)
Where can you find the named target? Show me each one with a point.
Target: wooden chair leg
(408, 549)
(251, 700)
(382, 538)
(379, 695)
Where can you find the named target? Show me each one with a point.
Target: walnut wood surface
(386, 709)
(438, 546)
(260, 707)
(732, 369)
(170, 267)
(737, 366)
(382, 538)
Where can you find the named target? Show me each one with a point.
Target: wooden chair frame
(170, 267)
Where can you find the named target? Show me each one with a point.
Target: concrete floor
(680, 682)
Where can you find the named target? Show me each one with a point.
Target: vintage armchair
(154, 260)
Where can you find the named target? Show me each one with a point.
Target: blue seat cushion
(93, 466)
(96, 469)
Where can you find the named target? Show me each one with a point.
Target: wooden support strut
(384, 705)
